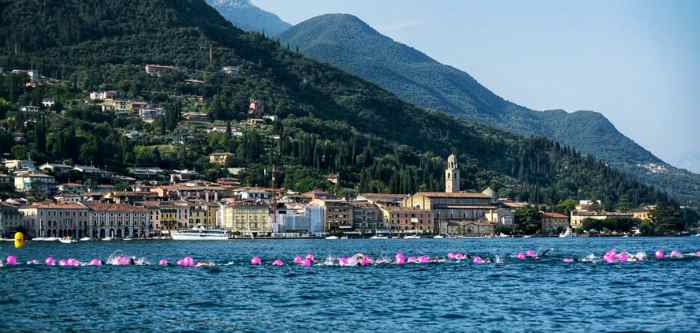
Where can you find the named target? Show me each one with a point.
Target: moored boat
(68, 240)
(199, 233)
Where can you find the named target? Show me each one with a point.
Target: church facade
(455, 212)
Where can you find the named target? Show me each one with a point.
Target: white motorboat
(411, 237)
(200, 233)
(332, 237)
(438, 237)
(379, 237)
(45, 239)
(567, 234)
(68, 240)
(86, 239)
(107, 239)
(127, 239)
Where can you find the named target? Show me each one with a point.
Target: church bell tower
(452, 175)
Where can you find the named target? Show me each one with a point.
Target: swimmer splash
(362, 260)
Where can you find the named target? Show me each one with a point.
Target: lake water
(533, 295)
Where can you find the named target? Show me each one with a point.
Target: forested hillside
(352, 45)
(329, 122)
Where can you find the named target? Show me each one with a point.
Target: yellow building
(247, 219)
(577, 217)
(221, 159)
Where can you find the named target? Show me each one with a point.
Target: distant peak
(231, 3)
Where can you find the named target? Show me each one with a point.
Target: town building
(35, 182)
(30, 109)
(554, 223)
(455, 211)
(93, 172)
(221, 159)
(7, 182)
(102, 95)
(119, 221)
(408, 221)
(383, 199)
(577, 216)
(367, 218)
(20, 165)
(644, 214)
(55, 168)
(10, 221)
(49, 219)
(158, 70)
(501, 217)
(336, 215)
(247, 219)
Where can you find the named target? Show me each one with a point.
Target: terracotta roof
(53, 205)
(470, 207)
(554, 215)
(116, 208)
(454, 195)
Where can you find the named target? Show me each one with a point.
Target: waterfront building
(117, 220)
(471, 228)
(34, 182)
(554, 223)
(408, 221)
(501, 217)
(577, 216)
(644, 214)
(247, 219)
(336, 214)
(293, 220)
(49, 219)
(10, 221)
(453, 211)
(367, 218)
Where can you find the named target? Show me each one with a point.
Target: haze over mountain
(330, 121)
(246, 16)
(347, 42)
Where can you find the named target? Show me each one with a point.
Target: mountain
(350, 44)
(244, 15)
(330, 121)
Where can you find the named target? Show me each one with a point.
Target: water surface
(541, 295)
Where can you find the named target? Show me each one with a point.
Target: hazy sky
(636, 61)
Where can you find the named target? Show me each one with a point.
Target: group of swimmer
(359, 259)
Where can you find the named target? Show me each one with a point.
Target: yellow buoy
(19, 239)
